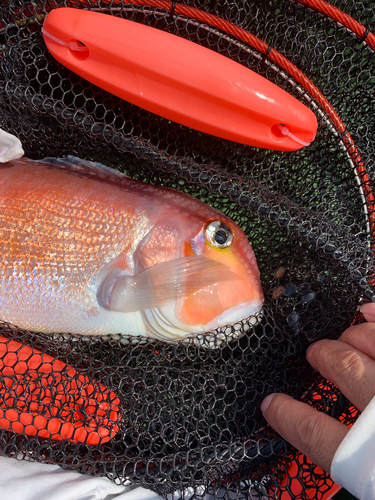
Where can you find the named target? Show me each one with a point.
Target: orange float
(178, 79)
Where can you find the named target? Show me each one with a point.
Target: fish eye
(219, 234)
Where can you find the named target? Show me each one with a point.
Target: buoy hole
(78, 49)
(280, 131)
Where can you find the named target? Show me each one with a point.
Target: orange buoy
(178, 79)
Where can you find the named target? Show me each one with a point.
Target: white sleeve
(22, 480)
(353, 465)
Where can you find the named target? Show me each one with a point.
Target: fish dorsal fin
(75, 163)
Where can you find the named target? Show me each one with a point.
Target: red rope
(342, 18)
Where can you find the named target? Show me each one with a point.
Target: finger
(313, 433)
(362, 337)
(350, 369)
(368, 311)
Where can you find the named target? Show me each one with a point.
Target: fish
(87, 250)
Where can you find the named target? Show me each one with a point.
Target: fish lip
(174, 330)
(235, 314)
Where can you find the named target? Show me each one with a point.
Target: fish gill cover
(185, 418)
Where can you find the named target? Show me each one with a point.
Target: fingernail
(368, 311)
(266, 402)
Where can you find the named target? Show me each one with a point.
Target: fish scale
(63, 255)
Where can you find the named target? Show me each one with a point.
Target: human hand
(350, 364)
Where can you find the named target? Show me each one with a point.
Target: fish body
(87, 250)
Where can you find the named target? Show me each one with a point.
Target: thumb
(313, 433)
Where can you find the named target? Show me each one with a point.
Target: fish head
(194, 272)
(220, 285)
(237, 292)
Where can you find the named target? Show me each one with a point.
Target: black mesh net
(182, 417)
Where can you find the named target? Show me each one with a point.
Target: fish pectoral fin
(161, 283)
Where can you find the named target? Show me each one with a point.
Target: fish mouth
(235, 314)
(161, 324)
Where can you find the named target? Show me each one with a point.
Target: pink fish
(87, 250)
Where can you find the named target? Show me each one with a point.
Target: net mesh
(185, 418)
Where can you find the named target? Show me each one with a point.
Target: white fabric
(353, 465)
(10, 147)
(22, 480)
